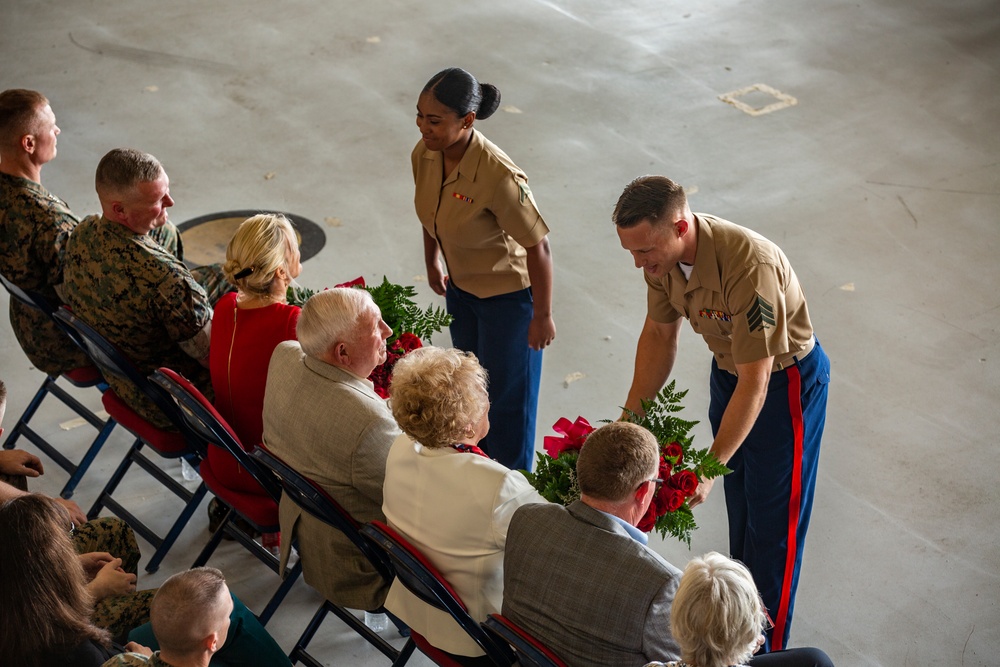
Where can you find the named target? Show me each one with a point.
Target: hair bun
(490, 102)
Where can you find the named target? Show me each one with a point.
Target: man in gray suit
(324, 419)
(581, 578)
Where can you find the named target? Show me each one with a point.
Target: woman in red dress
(262, 260)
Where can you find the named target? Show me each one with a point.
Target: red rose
(674, 453)
(357, 282)
(665, 469)
(407, 342)
(574, 433)
(684, 481)
(648, 521)
(673, 499)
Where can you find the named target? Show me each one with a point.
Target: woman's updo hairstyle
(459, 91)
(260, 247)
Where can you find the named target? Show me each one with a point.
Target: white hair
(330, 317)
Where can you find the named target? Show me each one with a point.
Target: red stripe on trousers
(794, 503)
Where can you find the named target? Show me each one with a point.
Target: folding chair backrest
(424, 580)
(111, 361)
(530, 652)
(27, 297)
(311, 497)
(206, 422)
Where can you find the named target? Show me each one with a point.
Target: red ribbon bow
(574, 433)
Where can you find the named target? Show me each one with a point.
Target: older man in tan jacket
(325, 420)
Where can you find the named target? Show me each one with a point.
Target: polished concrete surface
(882, 185)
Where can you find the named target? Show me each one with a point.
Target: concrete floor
(882, 185)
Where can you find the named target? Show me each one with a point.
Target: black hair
(459, 91)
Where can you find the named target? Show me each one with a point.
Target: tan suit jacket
(329, 425)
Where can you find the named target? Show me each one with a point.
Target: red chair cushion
(259, 509)
(205, 403)
(170, 444)
(438, 656)
(86, 376)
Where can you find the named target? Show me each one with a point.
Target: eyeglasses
(768, 621)
(657, 481)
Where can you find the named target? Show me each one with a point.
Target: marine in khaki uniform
(769, 373)
(35, 226)
(479, 215)
(129, 287)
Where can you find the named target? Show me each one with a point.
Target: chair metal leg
(88, 458)
(114, 481)
(29, 412)
(215, 540)
(405, 653)
(279, 595)
(175, 530)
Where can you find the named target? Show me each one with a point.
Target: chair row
(200, 426)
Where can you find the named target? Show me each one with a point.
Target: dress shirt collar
(632, 531)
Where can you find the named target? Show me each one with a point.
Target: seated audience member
(323, 418)
(35, 226)
(581, 578)
(139, 296)
(195, 620)
(719, 620)
(47, 592)
(445, 496)
(262, 259)
(97, 542)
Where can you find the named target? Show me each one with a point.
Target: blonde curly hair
(263, 244)
(438, 395)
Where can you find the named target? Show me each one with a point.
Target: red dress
(242, 343)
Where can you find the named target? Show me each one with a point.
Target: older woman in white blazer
(444, 495)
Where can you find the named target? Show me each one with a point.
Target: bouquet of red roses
(681, 466)
(408, 322)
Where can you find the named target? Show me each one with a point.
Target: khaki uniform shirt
(34, 228)
(743, 296)
(483, 216)
(141, 298)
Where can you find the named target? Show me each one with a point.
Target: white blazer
(455, 508)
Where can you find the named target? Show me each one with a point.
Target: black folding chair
(421, 578)
(259, 511)
(87, 376)
(529, 651)
(168, 444)
(316, 501)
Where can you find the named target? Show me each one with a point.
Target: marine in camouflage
(141, 298)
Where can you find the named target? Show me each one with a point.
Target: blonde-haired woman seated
(444, 495)
(262, 260)
(718, 620)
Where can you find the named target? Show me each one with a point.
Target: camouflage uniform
(136, 660)
(141, 298)
(34, 228)
(121, 613)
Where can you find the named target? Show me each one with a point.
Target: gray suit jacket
(333, 428)
(586, 589)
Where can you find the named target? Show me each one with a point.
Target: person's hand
(112, 580)
(436, 278)
(136, 647)
(541, 332)
(93, 562)
(701, 493)
(20, 462)
(76, 514)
